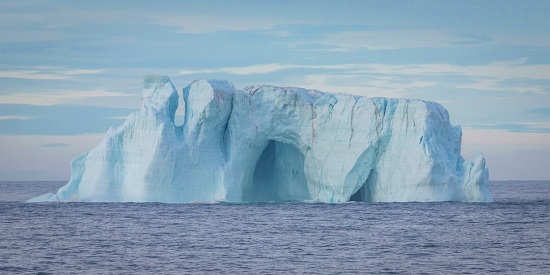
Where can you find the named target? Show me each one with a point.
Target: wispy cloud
(207, 23)
(266, 68)
(505, 69)
(16, 117)
(44, 73)
(484, 77)
(371, 86)
(397, 39)
(494, 84)
(526, 127)
(53, 98)
(247, 70)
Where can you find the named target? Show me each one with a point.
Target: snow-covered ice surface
(265, 143)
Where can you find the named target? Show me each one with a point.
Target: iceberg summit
(266, 143)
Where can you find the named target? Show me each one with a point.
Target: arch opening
(364, 193)
(278, 175)
(359, 195)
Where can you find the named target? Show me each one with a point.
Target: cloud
(483, 77)
(527, 127)
(205, 23)
(397, 39)
(503, 69)
(16, 117)
(54, 98)
(44, 73)
(495, 84)
(346, 41)
(266, 68)
(370, 86)
(339, 81)
(247, 70)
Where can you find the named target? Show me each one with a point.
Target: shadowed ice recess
(265, 143)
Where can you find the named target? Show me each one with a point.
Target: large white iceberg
(265, 143)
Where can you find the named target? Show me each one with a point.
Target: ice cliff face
(266, 143)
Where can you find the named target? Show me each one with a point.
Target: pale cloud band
(16, 117)
(55, 98)
(484, 77)
(505, 69)
(45, 73)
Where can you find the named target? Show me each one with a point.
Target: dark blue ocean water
(510, 236)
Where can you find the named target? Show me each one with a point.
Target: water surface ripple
(508, 236)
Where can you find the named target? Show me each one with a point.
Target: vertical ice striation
(265, 143)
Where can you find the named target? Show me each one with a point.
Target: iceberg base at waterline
(266, 143)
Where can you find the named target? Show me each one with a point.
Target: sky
(70, 70)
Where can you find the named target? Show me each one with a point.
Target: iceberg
(272, 144)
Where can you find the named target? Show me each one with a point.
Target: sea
(509, 236)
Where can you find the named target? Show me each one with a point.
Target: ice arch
(278, 175)
(265, 143)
